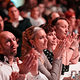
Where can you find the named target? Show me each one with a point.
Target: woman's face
(52, 39)
(40, 40)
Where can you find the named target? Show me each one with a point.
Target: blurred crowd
(43, 34)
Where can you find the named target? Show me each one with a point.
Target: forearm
(56, 69)
(69, 54)
(75, 57)
(44, 70)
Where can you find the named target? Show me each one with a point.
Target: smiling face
(8, 43)
(40, 40)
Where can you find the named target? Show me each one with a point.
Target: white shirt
(15, 24)
(40, 76)
(6, 70)
(36, 22)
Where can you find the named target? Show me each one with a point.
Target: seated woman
(35, 37)
(52, 42)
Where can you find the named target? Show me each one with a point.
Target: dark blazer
(23, 25)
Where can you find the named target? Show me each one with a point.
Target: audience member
(35, 18)
(52, 16)
(72, 21)
(52, 42)
(71, 54)
(35, 37)
(30, 3)
(12, 68)
(16, 24)
(3, 9)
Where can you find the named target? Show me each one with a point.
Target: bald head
(3, 34)
(8, 43)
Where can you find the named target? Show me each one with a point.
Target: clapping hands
(59, 50)
(29, 64)
(17, 76)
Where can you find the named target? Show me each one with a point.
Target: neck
(10, 59)
(51, 48)
(40, 51)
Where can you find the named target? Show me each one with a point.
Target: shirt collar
(20, 18)
(6, 59)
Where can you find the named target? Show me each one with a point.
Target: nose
(46, 39)
(66, 30)
(12, 44)
(14, 13)
(54, 37)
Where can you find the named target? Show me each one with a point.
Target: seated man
(16, 25)
(12, 68)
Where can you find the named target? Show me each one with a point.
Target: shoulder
(26, 22)
(2, 67)
(25, 19)
(7, 22)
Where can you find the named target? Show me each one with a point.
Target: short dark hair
(47, 28)
(10, 5)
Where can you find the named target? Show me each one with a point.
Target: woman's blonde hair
(28, 34)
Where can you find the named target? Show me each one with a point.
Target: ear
(1, 50)
(17, 45)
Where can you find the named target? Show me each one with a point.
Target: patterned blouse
(49, 55)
